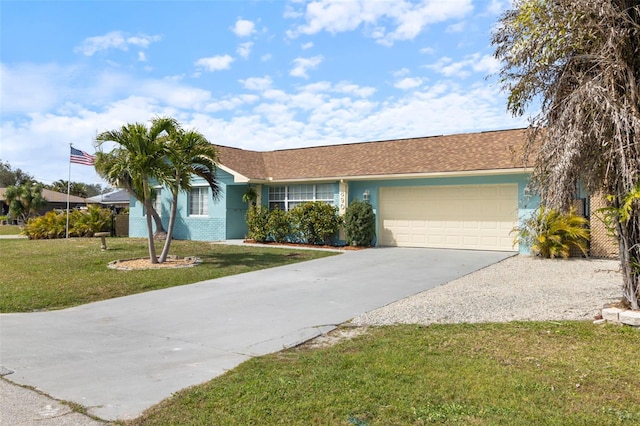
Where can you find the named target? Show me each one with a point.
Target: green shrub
(315, 222)
(550, 234)
(278, 225)
(49, 225)
(82, 223)
(85, 223)
(360, 224)
(257, 223)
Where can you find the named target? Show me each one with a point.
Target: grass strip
(55, 274)
(568, 373)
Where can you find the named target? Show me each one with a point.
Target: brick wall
(602, 244)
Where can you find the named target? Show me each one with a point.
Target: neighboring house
(55, 201)
(118, 199)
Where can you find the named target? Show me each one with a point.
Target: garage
(475, 217)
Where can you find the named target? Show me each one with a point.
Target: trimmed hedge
(312, 223)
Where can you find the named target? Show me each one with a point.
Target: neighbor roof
(495, 150)
(52, 196)
(117, 196)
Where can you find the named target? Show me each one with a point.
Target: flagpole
(69, 188)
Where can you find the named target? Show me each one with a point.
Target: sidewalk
(25, 407)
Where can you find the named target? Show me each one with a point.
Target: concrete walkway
(121, 356)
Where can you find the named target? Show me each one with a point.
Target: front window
(199, 201)
(288, 197)
(156, 202)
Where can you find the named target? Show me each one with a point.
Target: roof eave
(396, 176)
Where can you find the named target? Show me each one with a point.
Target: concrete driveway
(121, 356)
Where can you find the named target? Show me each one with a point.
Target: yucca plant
(550, 233)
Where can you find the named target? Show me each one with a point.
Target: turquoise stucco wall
(226, 218)
(210, 228)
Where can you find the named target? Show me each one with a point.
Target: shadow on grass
(253, 259)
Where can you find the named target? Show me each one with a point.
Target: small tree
(24, 200)
(577, 64)
(360, 224)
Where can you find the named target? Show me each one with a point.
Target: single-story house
(462, 191)
(55, 201)
(117, 199)
(458, 191)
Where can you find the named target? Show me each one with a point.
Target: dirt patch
(336, 336)
(145, 263)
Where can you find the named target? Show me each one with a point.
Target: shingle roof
(495, 150)
(52, 196)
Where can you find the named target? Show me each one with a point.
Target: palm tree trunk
(152, 247)
(172, 221)
(147, 204)
(160, 232)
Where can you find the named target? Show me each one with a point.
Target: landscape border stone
(621, 316)
(189, 261)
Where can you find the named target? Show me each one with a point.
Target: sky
(258, 75)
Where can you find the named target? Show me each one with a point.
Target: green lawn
(9, 230)
(55, 274)
(569, 373)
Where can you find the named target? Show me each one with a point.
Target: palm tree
(25, 200)
(115, 171)
(139, 156)
(189, 154)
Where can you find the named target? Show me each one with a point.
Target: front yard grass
(10, 230)
(553, 373)
(54, 274)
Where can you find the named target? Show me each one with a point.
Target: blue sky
(258, 75)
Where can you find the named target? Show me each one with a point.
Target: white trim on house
(237, 177)
(493, 172)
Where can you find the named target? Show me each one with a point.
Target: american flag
(81, 157)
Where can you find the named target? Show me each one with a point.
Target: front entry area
(476, 217)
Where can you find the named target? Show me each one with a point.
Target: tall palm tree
(189, 154)
(139, 157)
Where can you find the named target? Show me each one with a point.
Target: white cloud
(142, 57)
(302, 65)
(28, 88)
(215, 63)
(257, 83)
(307, 45)
(243, 28)
(456, 28)
(114, 40)
(485, 64)
(385, 21)
(408, 83)
(354, 89)
(401, 72)
(244, 49)
(495, 7)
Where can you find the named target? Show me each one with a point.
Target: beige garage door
(477, 217)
